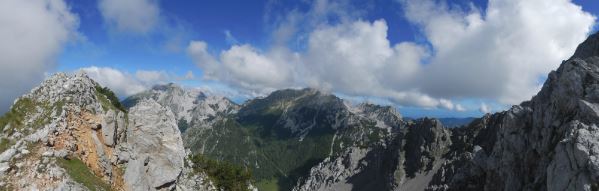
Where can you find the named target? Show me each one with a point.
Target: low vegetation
(79, 172)
(108, 99)
(4, 144)
(224, 175)
(14, 118)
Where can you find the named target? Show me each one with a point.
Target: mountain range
(70, 133)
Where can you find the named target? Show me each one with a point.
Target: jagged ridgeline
(279, 137)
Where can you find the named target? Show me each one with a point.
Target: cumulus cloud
(131, 16)
(150, 76)
(33, 33)
(497, 53)
(244, 66)
(125, 84)
(122, 83)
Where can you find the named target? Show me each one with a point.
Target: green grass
(82, 174)
(268, 185)
(17, 114)
(23, 109)
(5, 144)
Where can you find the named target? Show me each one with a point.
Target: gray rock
(7, 155)
(109, 126)
(4, 167)
(156, 147)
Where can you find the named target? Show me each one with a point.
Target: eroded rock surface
(156, 148)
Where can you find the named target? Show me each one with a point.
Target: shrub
(224, 175)
(114, 101)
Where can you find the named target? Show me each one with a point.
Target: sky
(438, 58)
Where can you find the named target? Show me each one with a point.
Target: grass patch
(108, 99)
(268, 185)
(82, 174)
(224, 175)
(17, 114)
(24, 107)
(5, 144)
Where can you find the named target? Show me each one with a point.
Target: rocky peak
(589, 48)
(297, 110)
(179, 100)
(386, 117)
(78, 89)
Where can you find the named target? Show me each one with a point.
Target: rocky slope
(66, 135)
(548, 143)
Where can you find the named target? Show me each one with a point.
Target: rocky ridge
(65, 135)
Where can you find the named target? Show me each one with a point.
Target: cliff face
(405, 161)
(67, 135)
(548, 143)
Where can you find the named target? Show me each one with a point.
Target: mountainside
(67, 134)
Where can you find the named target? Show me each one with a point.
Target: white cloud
(125, 84)
(460, 108)
(131, 16)
(151, 77)
(32, 33)
(354, 58)
(484, 108)
(122, 83)
(244, 67)
(198, 50)
(496, 54)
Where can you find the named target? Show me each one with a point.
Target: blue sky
(421, 56)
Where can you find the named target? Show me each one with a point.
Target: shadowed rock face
(548, 143)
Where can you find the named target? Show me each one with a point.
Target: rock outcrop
(155, 148)
(67, 135)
